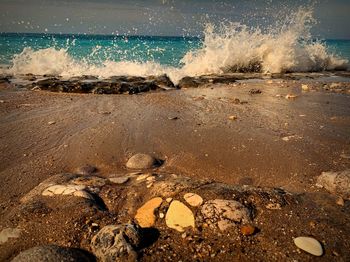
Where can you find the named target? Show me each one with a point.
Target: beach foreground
(262, 142)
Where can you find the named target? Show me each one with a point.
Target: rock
(73, 190)
(225, 224)
(273, 206)
(225, 210)
(7, 233)
(145, 215)
(141, 161)
(193, 199)
(89, 181)
(52, 253)
(86, 170)
(51, 122)
(247, 230)
(340, 201)
(305, 87)
(290, 96)
(309, 245)
(179, 216)
(116, 243)
(232, 117)
(254, 91)
(142, 177)
(169, 199)
(119, 180)
(336, 182)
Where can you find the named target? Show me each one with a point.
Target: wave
(230, 47)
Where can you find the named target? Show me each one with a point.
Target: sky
(162, 17)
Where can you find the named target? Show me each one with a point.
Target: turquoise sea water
(97, 48)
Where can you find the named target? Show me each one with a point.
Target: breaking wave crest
(230, 47)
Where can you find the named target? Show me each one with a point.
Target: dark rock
(117, 243)
(86, 170)
(52, 253)
(254, 91)
(162, 81)
(188, 82)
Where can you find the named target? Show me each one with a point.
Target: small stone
(340, 201)
(179, 216)
(145, 214)
(232, 117)
(86, 170)
(169, 199)
(273, 206)
(305, 87)
(149, 185)
(83, 194)
(309, 245)
(7, 233)
(141, 161)
(193, 199)
(183, 235)
(51, 122)
(161, 215)
(119, 180)
(291, 96)
(247, 230)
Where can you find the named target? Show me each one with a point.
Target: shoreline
(271, 133)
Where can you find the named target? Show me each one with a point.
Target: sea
(223, 48)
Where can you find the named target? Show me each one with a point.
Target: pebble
(145, 214)
(247, 230)
(340, 201)
(309, 245)
(119, 180)
(141, 161)
(161, 215)
(51, 122)
(273, 206)
(232, 117)
(7, 233)
(179, 216)
(169, 199)
(291, 96)
(193, 199)
(305, 87)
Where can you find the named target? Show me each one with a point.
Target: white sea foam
(230, 47)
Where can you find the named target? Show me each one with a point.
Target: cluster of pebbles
(150, 207)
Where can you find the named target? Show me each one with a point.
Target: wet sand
(222, 132)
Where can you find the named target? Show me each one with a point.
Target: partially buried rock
(336, 182)
(52, 253)
(119, 179)
(73, 190)
(193, 199)
(179, 216)
(145, 215)
(141, 161)
(309, 245)
(224, 212)
(7, 233)
(86, 170)
(116, 243)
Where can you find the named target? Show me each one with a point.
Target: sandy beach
(253, 134)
